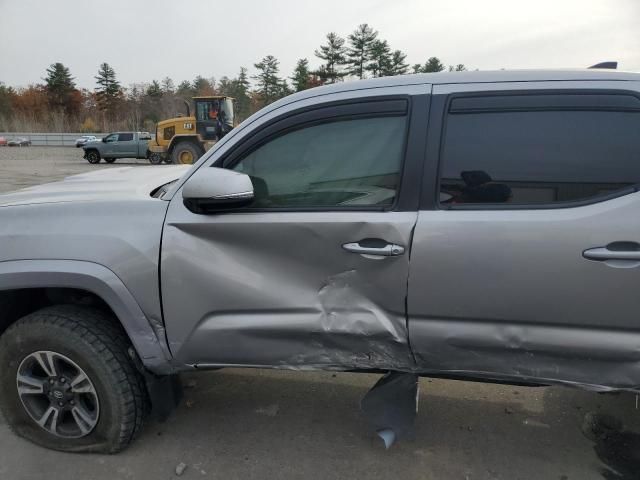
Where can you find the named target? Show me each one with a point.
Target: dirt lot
(253, 424)
(21, 167)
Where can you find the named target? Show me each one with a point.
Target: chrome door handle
(388, 250)
(603, 253)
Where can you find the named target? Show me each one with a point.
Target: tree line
(59, 105)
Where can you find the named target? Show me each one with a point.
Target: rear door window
(539, 149)
(125, 137)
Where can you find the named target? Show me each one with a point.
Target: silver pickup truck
(468, 225)
(118, 145)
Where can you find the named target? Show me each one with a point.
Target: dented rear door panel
(507, 294)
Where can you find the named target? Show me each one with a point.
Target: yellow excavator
(183, 140)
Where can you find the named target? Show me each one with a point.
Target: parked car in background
(19, 142)
(3, 142)
(118, 145)
(84, 139)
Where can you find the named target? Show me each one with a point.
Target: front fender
(86, 148)
(148, 339)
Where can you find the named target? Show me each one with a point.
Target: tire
(155, 158)
(92, 156)
(185, 153)
(109, 160)
(110, 402)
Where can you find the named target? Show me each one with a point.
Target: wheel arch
(27, 285)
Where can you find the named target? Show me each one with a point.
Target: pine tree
(167, 85)
(154, 90)
(380, 63)
(109, 91)
(301, 75)
(433, 65)
(269, 84)
(59, 85)
(6, 96)
(359, 51)
(243, 79)
(242, 94)
(458, 68)
(203, 86)
(284, 89)
(398, 65)
(333, 54)
(185, 90)
(238, 89)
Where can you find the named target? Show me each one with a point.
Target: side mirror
(213, 189)
(104, 139)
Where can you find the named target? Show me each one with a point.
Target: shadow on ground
(245, 424)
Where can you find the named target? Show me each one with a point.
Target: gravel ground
(255, 424)
(25, 166)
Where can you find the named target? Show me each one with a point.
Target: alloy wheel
(57, 394)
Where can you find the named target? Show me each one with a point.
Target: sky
(150, 39)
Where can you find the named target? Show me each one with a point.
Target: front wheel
(185, 153)
(93, 156)
(109, 160)
(68, 381)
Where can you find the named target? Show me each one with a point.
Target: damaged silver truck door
(313, 272)
(525, 258)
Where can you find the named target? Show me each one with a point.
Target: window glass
(169, 132)
(207, 110)
(538, 157)
(125, 137)
(344, 163)
(112, 138)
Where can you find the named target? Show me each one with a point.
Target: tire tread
(110, 342)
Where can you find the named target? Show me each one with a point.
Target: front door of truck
(314, 272)
(110, 145)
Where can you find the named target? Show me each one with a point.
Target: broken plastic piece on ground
(388, 436)
(391, 406)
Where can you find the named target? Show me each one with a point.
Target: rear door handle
(619, 251)
(603, 253)
(383, 250)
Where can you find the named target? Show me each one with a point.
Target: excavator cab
(214, 116)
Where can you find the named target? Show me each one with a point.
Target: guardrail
(50, 139)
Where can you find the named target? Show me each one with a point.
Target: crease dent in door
(379, 340)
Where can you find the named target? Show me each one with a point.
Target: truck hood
(106, 184)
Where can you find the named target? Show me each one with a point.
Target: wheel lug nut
(60, 404)
(51, 380)
(63, 379)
